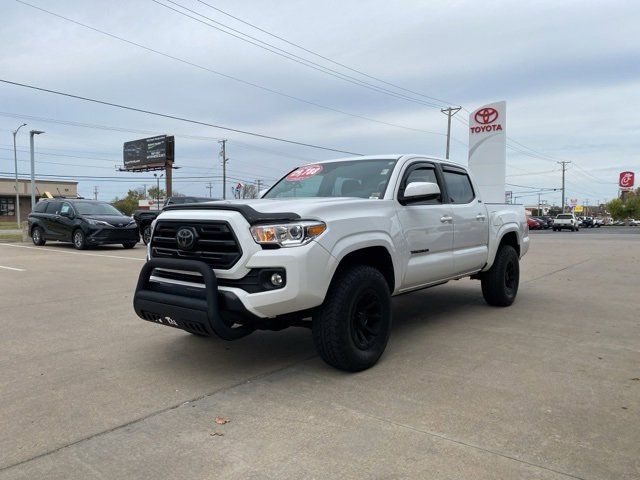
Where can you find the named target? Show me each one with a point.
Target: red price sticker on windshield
(303, 173)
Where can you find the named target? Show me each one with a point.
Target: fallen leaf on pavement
(217, 434)
(222, 420)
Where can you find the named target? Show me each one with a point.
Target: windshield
(357, 178)
(565, 217)
(90, 208)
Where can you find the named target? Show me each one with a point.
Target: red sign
(627, 180)
(303, 173)
(486, 115)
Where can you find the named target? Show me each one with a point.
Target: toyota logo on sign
(626, 180)
(185, 238)
(486, 115)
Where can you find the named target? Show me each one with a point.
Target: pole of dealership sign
(32, 133)
(15, 159)
(449, 112)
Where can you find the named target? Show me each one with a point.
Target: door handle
(481, 217)
(446, 219)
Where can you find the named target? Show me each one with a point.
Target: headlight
(131, 223)
(287, 234)
(91, 221)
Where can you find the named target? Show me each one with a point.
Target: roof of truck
(389, 156)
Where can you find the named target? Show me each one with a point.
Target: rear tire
(351, 328)
(37, 236)
(129, 245)
(79, 240)
(500, 283)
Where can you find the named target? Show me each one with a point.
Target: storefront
(8, 210)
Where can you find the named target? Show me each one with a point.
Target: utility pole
(564, 167)
(539, 204)
(210, 188)
(15, 159)
(95, 192)
(223, 155)
(258, 185)
(449, 112)
(32, 133)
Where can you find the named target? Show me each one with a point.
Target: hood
(114, 220)
(305, 207)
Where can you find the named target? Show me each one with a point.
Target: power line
(230, 77)
(444, 102)
(149, 132)
(288, 55)
(175, 117)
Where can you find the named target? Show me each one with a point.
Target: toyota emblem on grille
(185, 238)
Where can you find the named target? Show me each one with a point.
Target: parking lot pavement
(548, 388)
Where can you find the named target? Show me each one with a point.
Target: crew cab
(84, 223)
(326, 247)
(566, 220)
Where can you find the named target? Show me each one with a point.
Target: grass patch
(10, 237)
(9, 225)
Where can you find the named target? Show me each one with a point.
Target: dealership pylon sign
(488, 150)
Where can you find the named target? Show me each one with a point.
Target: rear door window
(40, 207)
(54, 208)
(459, 186)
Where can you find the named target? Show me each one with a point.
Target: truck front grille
(214, 242)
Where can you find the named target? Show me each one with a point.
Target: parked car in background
(598, 222)
(587, 222)
(144, 218)
(634, 223)
(533, 223)
(566, 221)
(545, 222)
(83, 222)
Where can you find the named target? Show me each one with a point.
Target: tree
(154, 193)
(128, 204)
(626, 207)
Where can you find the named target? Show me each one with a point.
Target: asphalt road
(547, 389)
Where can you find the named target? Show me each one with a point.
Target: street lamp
(15, 159)
(33, 178)
(158, 177)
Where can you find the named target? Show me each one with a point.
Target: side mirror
(419, 191)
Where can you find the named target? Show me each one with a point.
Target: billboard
(488, 150)
(626, 181)
(148, 152)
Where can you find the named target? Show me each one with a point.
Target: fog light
(276, 279)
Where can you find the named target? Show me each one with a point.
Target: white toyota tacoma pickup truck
(327, 247)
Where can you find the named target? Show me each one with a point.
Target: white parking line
(12, 268)
(42, 249)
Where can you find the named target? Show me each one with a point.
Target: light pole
(33, 168)
(158, 177)
(15, 159)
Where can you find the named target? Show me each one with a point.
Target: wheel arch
(508, 235)
(376, 256)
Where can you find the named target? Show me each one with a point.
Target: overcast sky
(569, 71)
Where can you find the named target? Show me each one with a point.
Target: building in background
(8, 195)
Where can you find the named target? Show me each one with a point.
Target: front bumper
(194, 310)
(109, 235)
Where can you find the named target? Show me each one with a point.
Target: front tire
(37, 236)
(146, 234)
(500, 283)
(351, 328)
(129, 245)
(79, 240)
